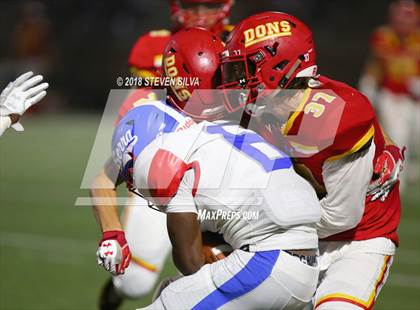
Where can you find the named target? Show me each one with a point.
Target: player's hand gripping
(386, 172)
(20, 95)
(113, 252)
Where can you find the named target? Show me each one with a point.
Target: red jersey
(331, 122)
(145, 58)
(398, 58)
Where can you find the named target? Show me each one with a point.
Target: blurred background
(47, 246)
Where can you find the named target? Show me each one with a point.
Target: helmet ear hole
(200, 53)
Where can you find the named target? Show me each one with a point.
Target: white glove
(21, 94)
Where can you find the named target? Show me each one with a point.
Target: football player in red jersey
(145, 59)
(337, 144)
(145, 229)
(335, 138)
(392, 75)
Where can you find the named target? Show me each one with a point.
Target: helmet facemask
(249, 74)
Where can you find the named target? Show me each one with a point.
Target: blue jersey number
(255, 147)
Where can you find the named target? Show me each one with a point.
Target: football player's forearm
(104, 200)
(346, 181)
(107, 217)
(187, 261)
(185, 235)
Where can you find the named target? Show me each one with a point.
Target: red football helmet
(208, 14)
(192, 54)
(266, 51)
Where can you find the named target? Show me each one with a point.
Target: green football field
(47, 245)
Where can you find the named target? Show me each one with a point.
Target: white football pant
(352, 273)
(244, 280)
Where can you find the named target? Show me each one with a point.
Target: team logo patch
(267, 31)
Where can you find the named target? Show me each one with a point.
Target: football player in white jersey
(210, 177)
(17, 97)
(145, 230)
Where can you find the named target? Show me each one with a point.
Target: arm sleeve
(5, 123)
(183, 201)
(346, 181)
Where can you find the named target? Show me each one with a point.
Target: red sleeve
(146, 53)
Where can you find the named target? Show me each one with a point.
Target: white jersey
(238, 184)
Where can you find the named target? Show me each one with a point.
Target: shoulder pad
(166, 171)
(165, 175)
